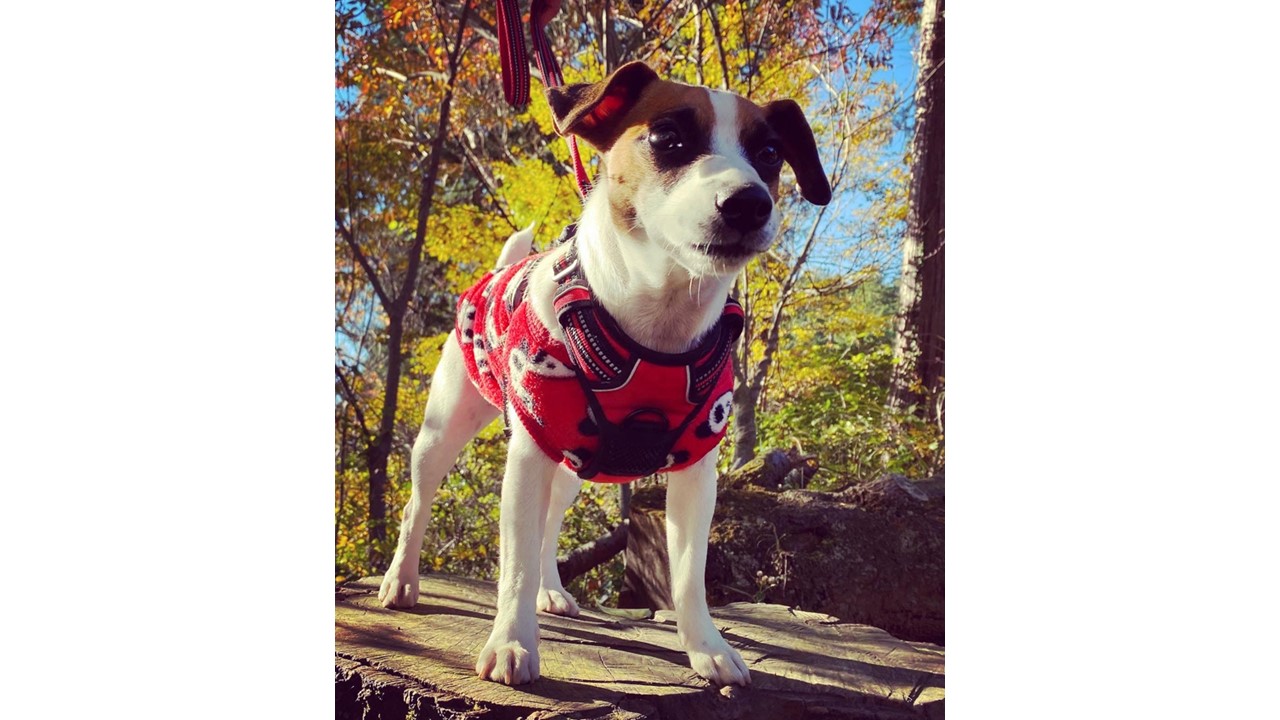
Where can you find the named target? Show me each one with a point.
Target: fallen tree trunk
(770, 469)
(593, 554)
(419, 663)
(871, 553)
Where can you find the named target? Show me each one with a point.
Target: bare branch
(348, 233)
(715, 34)
(775, 322)
(594, 553)
(353, 401)
(363, 260)
(700, 44)
(489, 182)
(388, 73)
(427, 197)
(406, 77)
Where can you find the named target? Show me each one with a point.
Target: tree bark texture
(744, 424)
(418, 664)
(380, 451)
(593, 554)
(770, 470)
(872, 553)
(919, 347)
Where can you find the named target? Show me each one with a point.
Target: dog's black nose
(746, 208)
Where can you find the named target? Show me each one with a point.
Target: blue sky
(902, 72)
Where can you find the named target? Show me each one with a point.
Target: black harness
(605, 358)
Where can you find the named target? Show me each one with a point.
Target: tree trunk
(804, 665)
(919, 347)
(873, 553)
(744, 424)
(380, 450)
(593, 554)
(770, 470)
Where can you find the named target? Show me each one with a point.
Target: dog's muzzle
(745, 209)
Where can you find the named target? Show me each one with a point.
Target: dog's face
(691, 171)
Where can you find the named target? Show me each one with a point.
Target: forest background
(831, 360)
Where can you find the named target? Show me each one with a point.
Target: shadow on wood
(419, 663)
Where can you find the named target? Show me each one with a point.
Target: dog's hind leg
(455, 413)
(511, 654)
(552, 597)
(691, 501)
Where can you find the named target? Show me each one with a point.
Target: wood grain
(418, 663)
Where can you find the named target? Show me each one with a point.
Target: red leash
(515, 64)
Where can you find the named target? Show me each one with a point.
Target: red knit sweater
(660, 411)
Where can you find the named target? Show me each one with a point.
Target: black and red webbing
(515, 63)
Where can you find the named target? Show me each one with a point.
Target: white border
(167, 414)
(168, 404)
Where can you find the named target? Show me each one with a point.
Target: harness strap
(606, 359)
(512, 54)
(515, 64)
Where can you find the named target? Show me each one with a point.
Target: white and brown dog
(685, 199)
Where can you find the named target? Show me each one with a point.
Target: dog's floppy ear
(594, 111)
(799, 150)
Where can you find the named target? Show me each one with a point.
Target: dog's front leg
(552, 597)
(511, 655)
(691, 501)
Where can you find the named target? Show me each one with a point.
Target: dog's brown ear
(799, 150)
(594, 111)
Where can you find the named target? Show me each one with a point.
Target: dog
(631, 316)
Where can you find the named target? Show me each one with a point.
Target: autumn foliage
(434, 171)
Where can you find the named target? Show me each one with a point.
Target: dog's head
(690, 169)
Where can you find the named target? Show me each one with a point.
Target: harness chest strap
(606, 360)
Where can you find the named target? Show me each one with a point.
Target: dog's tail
(518, 246)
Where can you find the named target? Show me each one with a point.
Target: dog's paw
(399, 587)
(557, 601)
(508, 661)
(719, 663)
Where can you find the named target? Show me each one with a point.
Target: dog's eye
(768, 155)
(665, 139)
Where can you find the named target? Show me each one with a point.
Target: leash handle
(512, 55)
(515, 64)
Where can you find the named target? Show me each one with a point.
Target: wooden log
(871, 553)
(419, 663)
(771, 468)
(592, 554)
